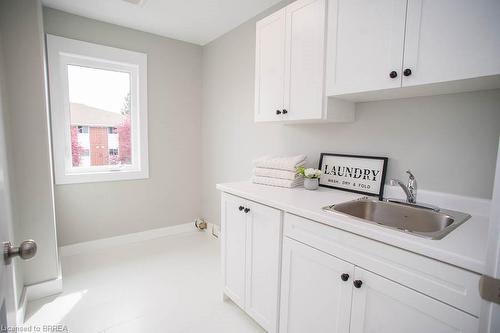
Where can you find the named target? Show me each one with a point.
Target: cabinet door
(451, 40)
(269, 67)
(263, 257)
(365, 40)
(314, 297)
(381, 305)
(233, 231)
(305, 60)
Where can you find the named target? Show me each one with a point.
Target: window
(99, 111)
(83, 129)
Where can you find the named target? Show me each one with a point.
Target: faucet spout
(409, 196)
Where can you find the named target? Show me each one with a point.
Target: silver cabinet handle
(26, 250)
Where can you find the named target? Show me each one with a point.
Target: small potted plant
(311, 177)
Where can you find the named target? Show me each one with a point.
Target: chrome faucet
(410, 189)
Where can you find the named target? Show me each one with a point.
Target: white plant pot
(311, 184)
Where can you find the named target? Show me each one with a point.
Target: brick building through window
(102, 136)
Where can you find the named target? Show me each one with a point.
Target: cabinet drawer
(450, 284)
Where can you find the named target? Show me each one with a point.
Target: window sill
(101, 176)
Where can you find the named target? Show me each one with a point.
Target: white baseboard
(36, 291)
(85, 247)
(43, 289)
(21, 308)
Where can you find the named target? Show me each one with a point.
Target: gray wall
(449, 141)
(29, 158)
(171, 195)
(442, 138)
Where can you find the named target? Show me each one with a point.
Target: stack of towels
(278, 171)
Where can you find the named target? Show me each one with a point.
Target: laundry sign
(359, 174)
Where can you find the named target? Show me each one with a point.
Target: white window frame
(62, 52)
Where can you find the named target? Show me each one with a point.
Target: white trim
(44, 289)
(104, 243)
(37, 291)
(62, 52)
(489, 318)
(21, 309)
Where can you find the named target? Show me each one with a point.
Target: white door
(263, 255)
(233, 226)
(315, 293)
(380, 305)
(490, 312)
(366, 40)
(269, 67)
(451, 40)
(7, 298)
(305, 59)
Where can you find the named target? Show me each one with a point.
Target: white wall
(449, 141)
(28, 144)
(171, 195)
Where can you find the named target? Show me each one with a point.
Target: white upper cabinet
(450, 40)
(401, 48)
(366, 41)
(290, 66)
(270, 67)
(304, 59)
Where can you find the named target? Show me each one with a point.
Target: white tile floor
(170, 284)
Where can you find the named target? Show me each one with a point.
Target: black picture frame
(382, 181)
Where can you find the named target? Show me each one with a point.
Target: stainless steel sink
(410, 219)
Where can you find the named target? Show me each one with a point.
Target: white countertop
(464, 247)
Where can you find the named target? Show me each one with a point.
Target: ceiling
(195, 21)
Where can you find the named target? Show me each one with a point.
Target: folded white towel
(281, 163)
(275, 173)
(278, 182)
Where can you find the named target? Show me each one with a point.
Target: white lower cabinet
(295, 275)
(314, 295)
(322, 293)
(263, 257)
(251, 255)
(381, 305)
(233, 233)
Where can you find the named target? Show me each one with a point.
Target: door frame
(8, 278)
(490, 313)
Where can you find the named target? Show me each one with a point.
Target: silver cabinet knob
(26, 250)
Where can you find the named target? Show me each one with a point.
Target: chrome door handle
(26, 250)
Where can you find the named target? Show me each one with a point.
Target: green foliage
(309, 173)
